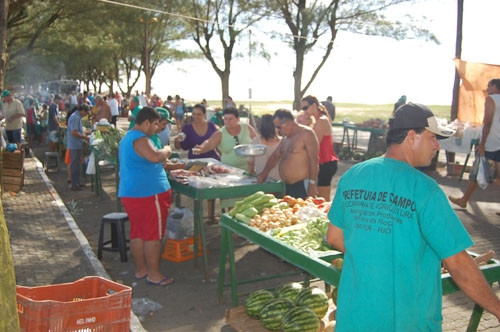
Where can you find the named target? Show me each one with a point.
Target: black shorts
(297, 189)
(493, 155)
(13, 136)
(326, 173)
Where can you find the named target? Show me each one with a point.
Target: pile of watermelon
(290, 308)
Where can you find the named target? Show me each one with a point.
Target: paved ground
(50, 245)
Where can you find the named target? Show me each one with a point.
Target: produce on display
(338, 263)
(292, 308)
(335, 294)
(314, 299)
(300, 319)
(257, 201)
(272, 313)
(255, 301)
(107, 143)
(305, 236)
(289, 290)
(297, 222)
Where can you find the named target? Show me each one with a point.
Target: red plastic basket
(88, 304)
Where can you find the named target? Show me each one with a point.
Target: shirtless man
(297, 155)
(103, 110)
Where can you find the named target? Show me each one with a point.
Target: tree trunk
(224, 79)
(4, 10)
(450, 156)
(458, 55)
(297, 78)
(147, 59)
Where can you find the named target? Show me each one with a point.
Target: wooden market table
(223, 192)
(319, 266)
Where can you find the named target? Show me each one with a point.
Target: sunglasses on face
(304, 108)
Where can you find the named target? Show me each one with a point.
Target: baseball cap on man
(412, 116)
(164, 114)
(5, 93)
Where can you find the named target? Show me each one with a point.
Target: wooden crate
(239, 320)
(13, 160)
(12, 179)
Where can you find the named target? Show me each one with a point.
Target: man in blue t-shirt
(395, 226)
(76, 137)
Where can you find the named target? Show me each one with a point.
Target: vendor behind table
(233, 133)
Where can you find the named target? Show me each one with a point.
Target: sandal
(164, 282)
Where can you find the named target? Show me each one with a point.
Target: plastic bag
(144, 306)
(180, 224)
(91, 165)
(484, 175)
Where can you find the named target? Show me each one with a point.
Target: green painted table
(352, 144)
(319, 266)
(199, 194)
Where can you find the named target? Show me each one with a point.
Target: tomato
(289, 200)
(318, 200)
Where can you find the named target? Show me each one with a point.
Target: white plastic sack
(484, 175)
(91, 165)
(180, 224)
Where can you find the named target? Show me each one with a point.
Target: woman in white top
(271, 140)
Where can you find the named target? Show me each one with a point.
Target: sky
(361, 69)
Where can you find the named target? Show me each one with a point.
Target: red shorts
(148, 215)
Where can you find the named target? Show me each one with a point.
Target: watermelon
(288, 290)
(272, 313)
(255, 301)
(300, 319)
(315, 299)
(335, 293)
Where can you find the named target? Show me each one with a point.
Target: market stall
(218, 184)
(464, 141)
(376, 141)
(316, 265)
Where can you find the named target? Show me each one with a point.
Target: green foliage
(94, 42)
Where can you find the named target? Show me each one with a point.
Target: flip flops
(140, 278)
(167, 281)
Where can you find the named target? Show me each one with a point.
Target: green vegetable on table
(305, 237)
(258, 201)
(250, 212)
(243, 218)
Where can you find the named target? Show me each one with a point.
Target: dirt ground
(190, 304)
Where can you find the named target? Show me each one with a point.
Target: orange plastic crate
(181, 250)
(88, 304)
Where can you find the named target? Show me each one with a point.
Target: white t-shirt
(492, 143)
(113, 105)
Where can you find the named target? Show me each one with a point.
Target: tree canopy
(101, 43)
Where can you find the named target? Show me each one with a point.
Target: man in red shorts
(145, 194)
